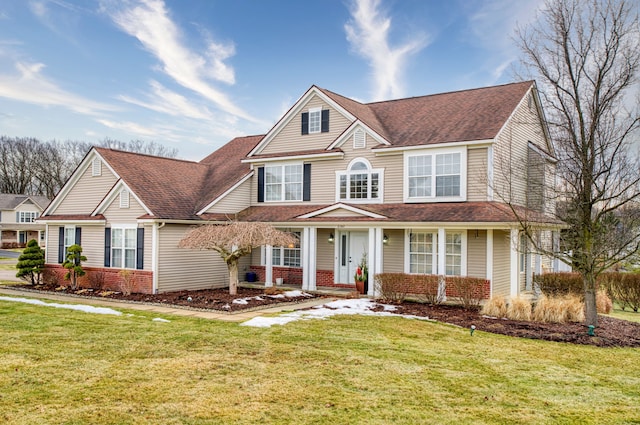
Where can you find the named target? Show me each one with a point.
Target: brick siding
(112, 279)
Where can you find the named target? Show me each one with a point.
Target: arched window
(360, 182)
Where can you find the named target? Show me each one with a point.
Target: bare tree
(235, 240)
(585, 55)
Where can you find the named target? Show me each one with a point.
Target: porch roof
(453, 212)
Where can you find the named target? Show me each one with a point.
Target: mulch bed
(609, 333)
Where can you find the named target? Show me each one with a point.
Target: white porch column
(155, 233)
(268, 265)
(490, 260)
(442, 261)
(309, 244)
(514, 271)
(374, 258)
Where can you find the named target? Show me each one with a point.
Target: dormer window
(360, 182)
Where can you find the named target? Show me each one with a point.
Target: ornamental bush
(31, 262)
(73, 263)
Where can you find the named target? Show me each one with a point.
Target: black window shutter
(305, 123)
(306, 182)
(325, 121)
(107, 247)
(260, 184)
(78, 236)
(61, 245)
(140, 249)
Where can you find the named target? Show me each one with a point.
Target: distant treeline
(33, 167)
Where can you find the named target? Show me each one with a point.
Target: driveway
(9, 254)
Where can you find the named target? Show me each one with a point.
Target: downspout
(155, 248)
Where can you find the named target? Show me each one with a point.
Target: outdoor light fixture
(385, 239)
(330, 238)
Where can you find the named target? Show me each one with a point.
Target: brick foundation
(293, 276)
(110, 277)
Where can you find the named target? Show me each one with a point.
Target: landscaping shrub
(557, 284)
(574, 306)
(604, 305)
(495, 307)
(31, 262)
(128, 281)
(392, 287)
(96, 280)
(561, 309)
(73, 263)
(519, 309)
(425, 287)
(468, 291)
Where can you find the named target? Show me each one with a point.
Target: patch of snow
(159, 319)
(296, 293)
(77, 307)
(339, 307)
(276, 296)
(241, 301)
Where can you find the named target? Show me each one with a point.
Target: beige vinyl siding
(235, 201)
(87, 193)
(51, 252)
(501, 260)
(477, 253)
(325, 251)
(477, 175)
(92, 242)
(393, 252)
(180, 268)
(290, 138)
(510, 153)
(115, 214)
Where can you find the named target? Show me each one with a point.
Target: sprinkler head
(591, 330)
(189, 299)
(473, 328)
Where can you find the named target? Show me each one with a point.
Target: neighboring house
(17, 220)
(413, 185)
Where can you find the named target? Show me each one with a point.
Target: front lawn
(61, 366)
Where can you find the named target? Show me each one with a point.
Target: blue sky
(193, 74)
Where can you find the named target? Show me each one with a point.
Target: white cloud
(368, 33)
(131, 127)
(168, 102)
(31, 86)
(150, 23)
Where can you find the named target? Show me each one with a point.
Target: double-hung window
(27, 216)
(287, 256)
(123, 247)
(283, 182)
(69, 239)
(434, 176)
(453, 261)
(315, 119)
(360, 182)
(422, 252)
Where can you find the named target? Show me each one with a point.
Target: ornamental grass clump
(559, 309)
(495, 307)
(604, 305)
(519, 309)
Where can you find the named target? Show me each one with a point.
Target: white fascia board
(228, 191)
(316, 156)
(470, 143)
(98, 222)
(342, 206)
(77, 174)
(293, 112)
(115, 190)
(349, 131)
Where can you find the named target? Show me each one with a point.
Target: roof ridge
(447, 93)
(99, 148)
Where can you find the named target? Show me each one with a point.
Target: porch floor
(321, 290)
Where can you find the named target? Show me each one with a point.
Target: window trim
(434, 153)
(283, 191)
(313, 111)
(124, 227)
(370, 171)
(436, 254)
(22, 215)
(281, 249)
(71, 229)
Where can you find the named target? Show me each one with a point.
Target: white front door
(352, 247)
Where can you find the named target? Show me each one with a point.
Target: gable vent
(359, 140)
(124, 198)
(96, 167)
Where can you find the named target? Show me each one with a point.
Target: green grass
(627, 314)
(65, 367)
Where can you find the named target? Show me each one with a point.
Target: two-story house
(438, 184)
(18, 214)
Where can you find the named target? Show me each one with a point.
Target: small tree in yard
(235, 240)
(73, 263)
(31, 262)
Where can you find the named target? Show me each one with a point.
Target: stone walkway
(116, 305)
